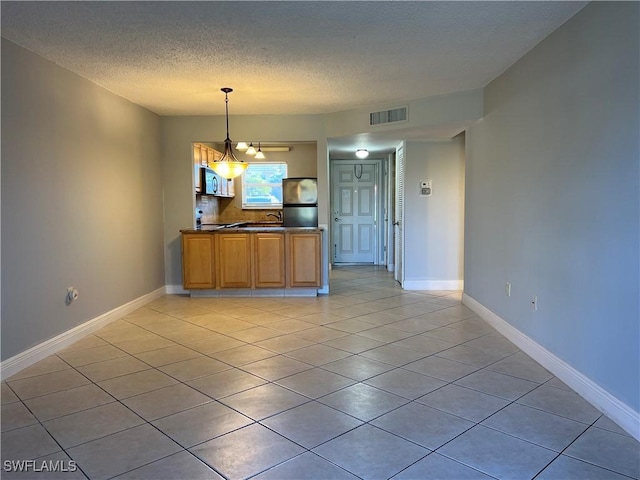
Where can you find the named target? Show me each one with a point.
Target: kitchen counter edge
(216, 229)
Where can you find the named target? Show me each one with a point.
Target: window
(262, 185)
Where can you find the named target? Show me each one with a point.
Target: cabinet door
(268, 258)
(303, 259)
(234, 260)
(197, 261)
(222, 190)
(231, 192)
(203, 154)
(197, 175)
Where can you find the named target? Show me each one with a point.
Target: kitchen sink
(263, 224)
(254, 224)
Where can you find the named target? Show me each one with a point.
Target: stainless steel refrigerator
(300, 202)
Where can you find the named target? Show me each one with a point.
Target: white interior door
(399, 214)
(354, 210)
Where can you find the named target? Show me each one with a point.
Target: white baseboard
(176, 290)
(612, 407)
(432, 284)
(13, 365)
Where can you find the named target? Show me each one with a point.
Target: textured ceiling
(282, 57)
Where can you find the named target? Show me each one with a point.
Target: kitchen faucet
(277, 215)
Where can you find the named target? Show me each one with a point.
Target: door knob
(337, 219)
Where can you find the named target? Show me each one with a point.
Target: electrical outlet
(507, 290)
(534, 303)
(72, 294)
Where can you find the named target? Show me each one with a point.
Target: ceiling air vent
(395, 115)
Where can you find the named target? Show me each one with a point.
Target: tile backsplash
(225, 210)
(209, 207)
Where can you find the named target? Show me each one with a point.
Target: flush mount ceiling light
(228, 166)
(362, 153)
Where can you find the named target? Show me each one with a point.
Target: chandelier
(228, 166)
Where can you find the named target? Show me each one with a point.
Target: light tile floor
(368, 382)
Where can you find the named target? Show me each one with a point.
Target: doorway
(357, 190)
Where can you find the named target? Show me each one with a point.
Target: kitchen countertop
(252, 227)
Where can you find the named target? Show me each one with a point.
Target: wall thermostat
(425, 188)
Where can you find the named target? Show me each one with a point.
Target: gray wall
(552, 197)
(81, 200)
(434, 225)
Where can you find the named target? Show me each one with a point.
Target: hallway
(369, 382)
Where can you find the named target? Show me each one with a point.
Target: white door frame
(389, 184)
(399, 214)
(380, 201)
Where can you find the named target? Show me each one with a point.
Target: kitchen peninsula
(251, 259)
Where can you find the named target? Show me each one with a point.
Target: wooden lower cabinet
(234, 260)
(251, 260)
(198, 261)
(303, 259)
(268, 260)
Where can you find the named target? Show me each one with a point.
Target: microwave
(210, 182)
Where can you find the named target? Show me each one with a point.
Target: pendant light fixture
(251, 150)
(241, 146)
(228, 166)
(259, 154)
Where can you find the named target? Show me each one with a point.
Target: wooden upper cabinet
(268, 260)
(303, 259)
(234, 260)
(197, 261)
(231, 190)
(197, 175)
(226, 187)
(197, 154)
(205, 155)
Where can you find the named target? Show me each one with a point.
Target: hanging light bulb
(241, 146)
(228, 166)
(251, 150)
(259, 154)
